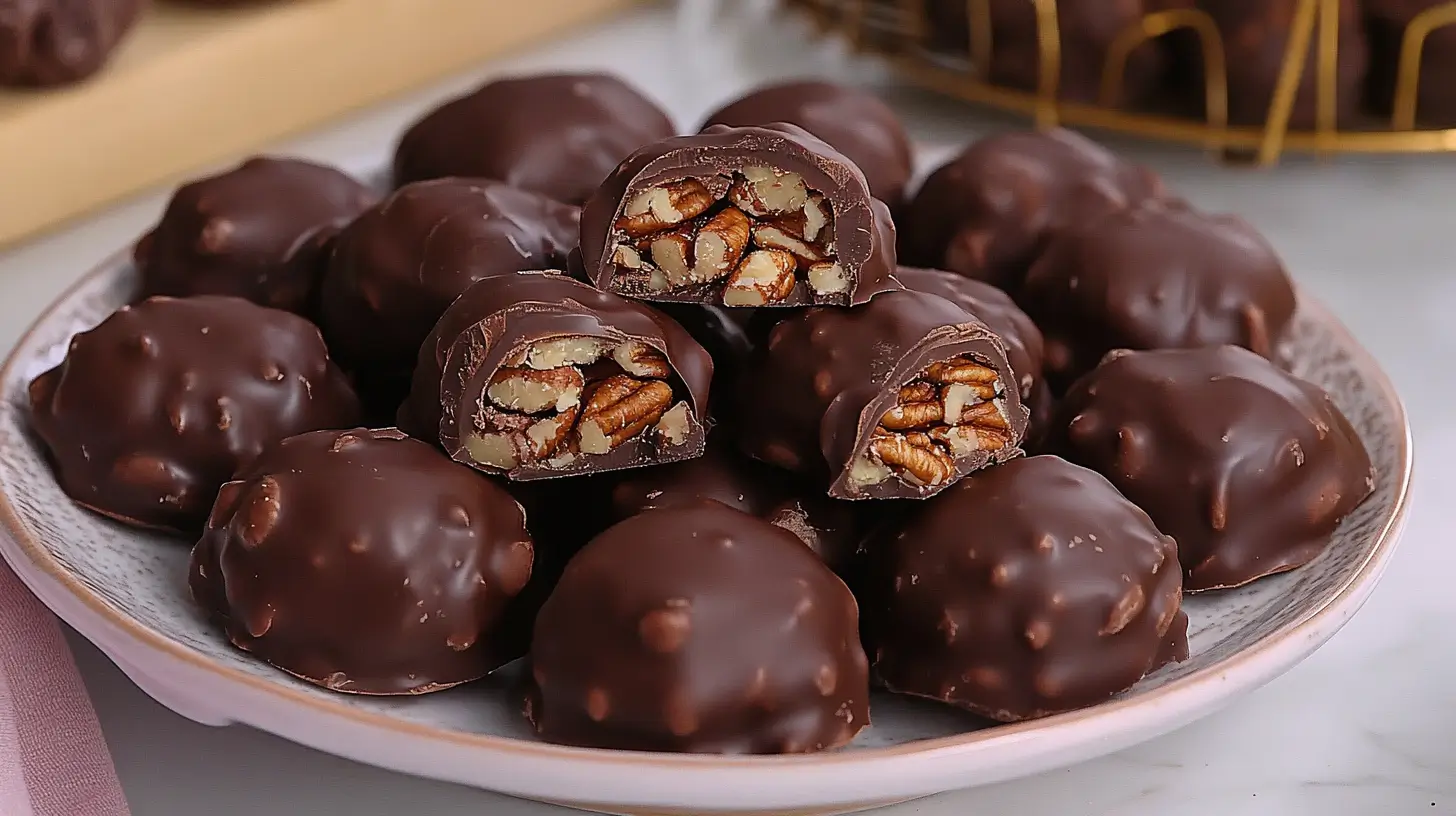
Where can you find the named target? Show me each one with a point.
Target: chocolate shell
(859, 397)
(699, 629)
(365, 562)
(46, 43)
(1248, 467)
(536, 375)
(152, 410)
(1026, 590)
(751, 216)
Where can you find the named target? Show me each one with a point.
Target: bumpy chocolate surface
(57, 42)
(258, 231)
(365, 562)
(988, 212)
(1256, 38)
(537, 375)
(751, 216)
(554, 134)
(1162, 275)
(830, 527)
(1248, 467)
(1028, 589)
(399, 265)
(699, 628)
(851, 120)
(897, 398)
(1436, 93)
(161, 403)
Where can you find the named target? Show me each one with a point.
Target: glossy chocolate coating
(830, 527)
(1026, 590)
(399, 265)
(1256, 37)
(365, 562)
(161, 403)
(862, 228)
(988, 212)
(58, 42)
(1157, 276)
(259, 231)
(851, 120)
(497, 319)
(554, 134)
(701, 629)
(1248, 467)
(1436, 92)
(826, 377)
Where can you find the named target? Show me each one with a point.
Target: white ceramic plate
(126, 592)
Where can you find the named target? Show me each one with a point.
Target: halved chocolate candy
(536, 375)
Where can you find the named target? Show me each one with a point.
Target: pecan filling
(951, 410)
(575, 396)
(755, 237)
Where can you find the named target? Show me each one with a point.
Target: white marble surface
(1367, 727)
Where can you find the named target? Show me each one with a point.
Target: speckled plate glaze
(125, 590)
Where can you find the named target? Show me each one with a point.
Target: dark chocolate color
(827, 376)
(1248, 467)
(497, 319)
(58, 42)
(988, 212)
(399, 265)
(861, 227)
(554, 134)
(161, 403)
(365, 562)
(1436, 92)
(1026, 590)
(851, 120)
(259, 231)
(700, 629)
(1162, 275)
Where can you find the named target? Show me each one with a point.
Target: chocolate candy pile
(681, 420)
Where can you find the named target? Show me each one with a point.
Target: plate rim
(1245, 663)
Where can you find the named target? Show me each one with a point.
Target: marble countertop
(1364, 727)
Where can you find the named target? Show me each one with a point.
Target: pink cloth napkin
(53, 758)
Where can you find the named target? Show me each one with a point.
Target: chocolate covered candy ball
(259, 231)
(554, 134)
(1248, 467)
(851, 120)
(395, 269)
(152, 410)
(57, 42)
(988, 213)
(1026, 590)
(366, 562)
(1158, 276)
(700, 629)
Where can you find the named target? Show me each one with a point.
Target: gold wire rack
(899, 31)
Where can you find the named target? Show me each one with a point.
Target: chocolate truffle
(1435, 92)
(365, 562)
(851, 120)
(399, 265)
(1248, 467)
(1028, 589)
(554, 134)
(894, 399)
(58, 42)
(988, 212)
(752, 216)
(536, 375)
(161, 403)
(1162, 275)
(830, 527)
(700, 629)
(258, 231)
(1256, 36)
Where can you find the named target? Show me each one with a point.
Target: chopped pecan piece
(667, 206)
(618, 409)
(765, 276)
